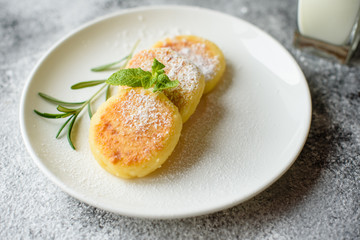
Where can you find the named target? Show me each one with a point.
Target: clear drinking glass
(328, 28)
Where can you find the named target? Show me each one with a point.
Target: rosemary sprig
(133, 77)
(71, 110)
(67, 112)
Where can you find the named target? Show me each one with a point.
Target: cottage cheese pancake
(133, 133)
(187, 94)
(203, 53)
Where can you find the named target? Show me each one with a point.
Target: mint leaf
(157, 67)
(153, 80)
(132, 77)
(164, 82)
(136, 77)
(147, 81)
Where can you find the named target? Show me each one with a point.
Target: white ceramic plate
(244, 135)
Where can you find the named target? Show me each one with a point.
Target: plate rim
(82, 197)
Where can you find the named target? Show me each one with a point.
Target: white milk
(327, 20)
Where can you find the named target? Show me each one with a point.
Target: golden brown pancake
(187, 94)
(203, 53)
(134, 132)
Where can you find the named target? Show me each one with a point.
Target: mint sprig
(132, 77)
(136, 77)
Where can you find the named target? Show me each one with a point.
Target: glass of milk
(328, 27)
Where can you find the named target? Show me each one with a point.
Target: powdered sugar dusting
(196, 53)
(177, 68)
(140, 111)
(133, 126)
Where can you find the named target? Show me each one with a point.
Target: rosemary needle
(109, 65)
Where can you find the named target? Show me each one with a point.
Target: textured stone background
(318, 198)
